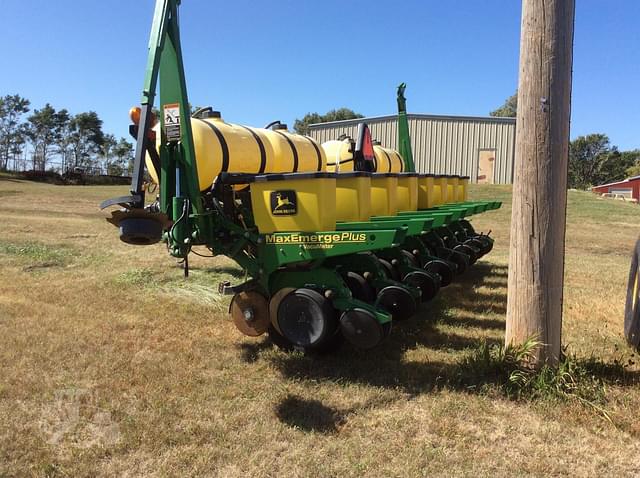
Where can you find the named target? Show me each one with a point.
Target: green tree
(44, 131)
(107, 152)
(123, 154)
(509, 109)
(12, 129)
(615, 164)
(301, 126)
(86, 138)
(65, 139)
(634, 169)
(17, 148)
(588, 156)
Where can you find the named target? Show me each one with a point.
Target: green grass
(200, 287)
(38, 254)
(507, 370)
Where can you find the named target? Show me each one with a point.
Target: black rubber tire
(306, 318)
(478, 243)
(397, 301)
(488, 244)
(360, 328)
(443, 269)
(429, 284)
(470, 252)
(461, 261)
(360, 288)
(140, 231)
(392, 272)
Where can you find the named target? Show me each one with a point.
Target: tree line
(33, 139)
(593, 159)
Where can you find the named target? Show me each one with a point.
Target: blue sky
(260, 61)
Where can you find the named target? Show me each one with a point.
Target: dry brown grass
(112, 365)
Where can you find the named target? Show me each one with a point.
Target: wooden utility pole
(536, 259)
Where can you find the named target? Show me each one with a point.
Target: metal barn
(480, 147)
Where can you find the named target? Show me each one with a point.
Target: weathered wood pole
(536, 259)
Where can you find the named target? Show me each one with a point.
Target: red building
(629, 188)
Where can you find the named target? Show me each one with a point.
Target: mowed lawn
(113, 364)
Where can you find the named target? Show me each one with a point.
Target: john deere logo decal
(284, 203)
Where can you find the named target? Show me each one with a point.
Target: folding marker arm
(404, 140)
(179, 186)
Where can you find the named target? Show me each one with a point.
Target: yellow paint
(387, 160)
(384, 195)
(452, 189)
(426, 193)
(463, 189)
(315, 202)
(353, 198)
(407, 194)
(244, 150)
(339, 155)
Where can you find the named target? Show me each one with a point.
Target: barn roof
(628, 180)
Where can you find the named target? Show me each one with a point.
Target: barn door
(486, 161)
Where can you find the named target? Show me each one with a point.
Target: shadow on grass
(387, 365)
(472, 322)
(250, 351)
(309, 415)
(10, 179)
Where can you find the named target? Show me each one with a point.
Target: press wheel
(460, 259)
(361, 328)
(397, 301)
(444, 270)
(429, 284)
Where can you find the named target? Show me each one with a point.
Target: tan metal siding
(445, 145)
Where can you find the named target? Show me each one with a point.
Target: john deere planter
(339, 240)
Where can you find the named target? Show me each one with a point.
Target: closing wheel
(392, 272)
(470, 252)
(397, 301)
(487, 243)
(413, 261)
(360, 288)
(306, 318)
(250, 313)
(361, 328)
(481, 244)
(460, 260)
(428, 283)
(443, 269)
